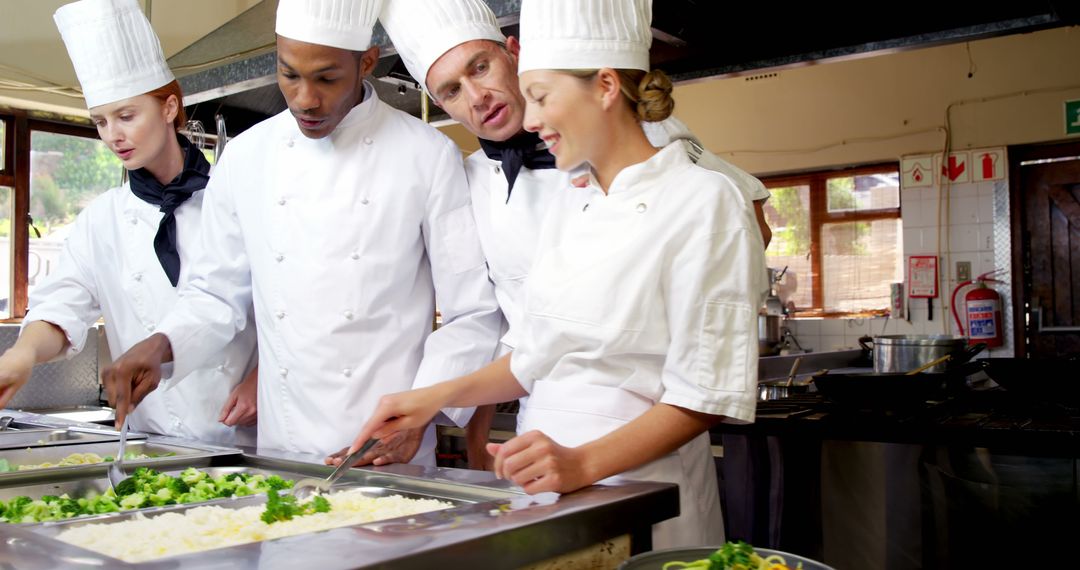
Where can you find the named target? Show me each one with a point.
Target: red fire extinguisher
(982, 312)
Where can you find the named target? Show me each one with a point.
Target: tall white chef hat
(114, 50)
(424, 30)
(585, 34)
(344, 24)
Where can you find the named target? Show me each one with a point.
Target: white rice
(206, 528)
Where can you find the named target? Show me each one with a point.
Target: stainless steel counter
(487, 528)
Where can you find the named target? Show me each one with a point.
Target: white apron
(574, 414)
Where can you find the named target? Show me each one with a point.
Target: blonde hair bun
(655, 102)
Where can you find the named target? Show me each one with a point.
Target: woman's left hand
(536, 463)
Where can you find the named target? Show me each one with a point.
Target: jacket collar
(670, 158)
(357, 116)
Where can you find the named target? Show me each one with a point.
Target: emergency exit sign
(1072, 117)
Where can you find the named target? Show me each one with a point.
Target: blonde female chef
(641, 304)
(128, 248)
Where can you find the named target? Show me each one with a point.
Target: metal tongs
(116, 469)
(307, 486)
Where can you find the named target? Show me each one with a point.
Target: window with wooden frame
(49, 172)
(839, 234)
(7, 196)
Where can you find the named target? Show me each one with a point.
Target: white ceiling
(32, 52)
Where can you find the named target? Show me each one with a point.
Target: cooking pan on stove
(1044, 380)
(892, 390)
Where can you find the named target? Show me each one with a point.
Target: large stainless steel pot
(902, 353)
(768, 335)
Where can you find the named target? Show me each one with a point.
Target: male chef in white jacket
(457, 53)
(345, 221)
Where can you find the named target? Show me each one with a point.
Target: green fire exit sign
(1072, 117)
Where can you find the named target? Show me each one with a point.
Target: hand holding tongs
(305, 487)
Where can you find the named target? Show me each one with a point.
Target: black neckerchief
(169, 197)
(525, 149)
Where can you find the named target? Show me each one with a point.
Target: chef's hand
(15, 367)
(396, 412)
(536, 463)
(135, 374)
(242, 407)
(410, 410)
(398, 447)
(477, 435)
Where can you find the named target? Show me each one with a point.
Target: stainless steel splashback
(71, 382)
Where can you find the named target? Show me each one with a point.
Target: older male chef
(345, 221)
(456, 51)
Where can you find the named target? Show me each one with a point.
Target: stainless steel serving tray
(482, 530)
(182, 456)
(23, 438)
(88, 414)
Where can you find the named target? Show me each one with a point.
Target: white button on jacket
(91, 282)
(412, 246)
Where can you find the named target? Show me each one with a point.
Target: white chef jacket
(509, 226)
(646, 295)
(344, 244)
(108, 268)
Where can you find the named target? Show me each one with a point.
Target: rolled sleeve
(711, 287)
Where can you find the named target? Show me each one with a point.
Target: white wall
(971, 238)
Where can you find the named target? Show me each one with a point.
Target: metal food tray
(482, 529)
(88, 414)
(183, 455)
(357, 481)
(23, 438)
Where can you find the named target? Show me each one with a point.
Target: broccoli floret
(178, 486)
(104, 504)
(192, 475)
(16, 507)
(162, 497)
(133, 501)
(278, 508)
(321, 505)
(276, 483)
(285, 507)
(69, 507)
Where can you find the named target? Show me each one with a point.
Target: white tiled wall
(971, 239)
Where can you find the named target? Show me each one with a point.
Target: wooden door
(1047, 296)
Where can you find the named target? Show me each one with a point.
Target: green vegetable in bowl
(736, 555)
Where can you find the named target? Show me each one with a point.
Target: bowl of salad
(736, 555)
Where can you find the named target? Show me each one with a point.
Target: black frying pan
(1054, 381)
(892, 390)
